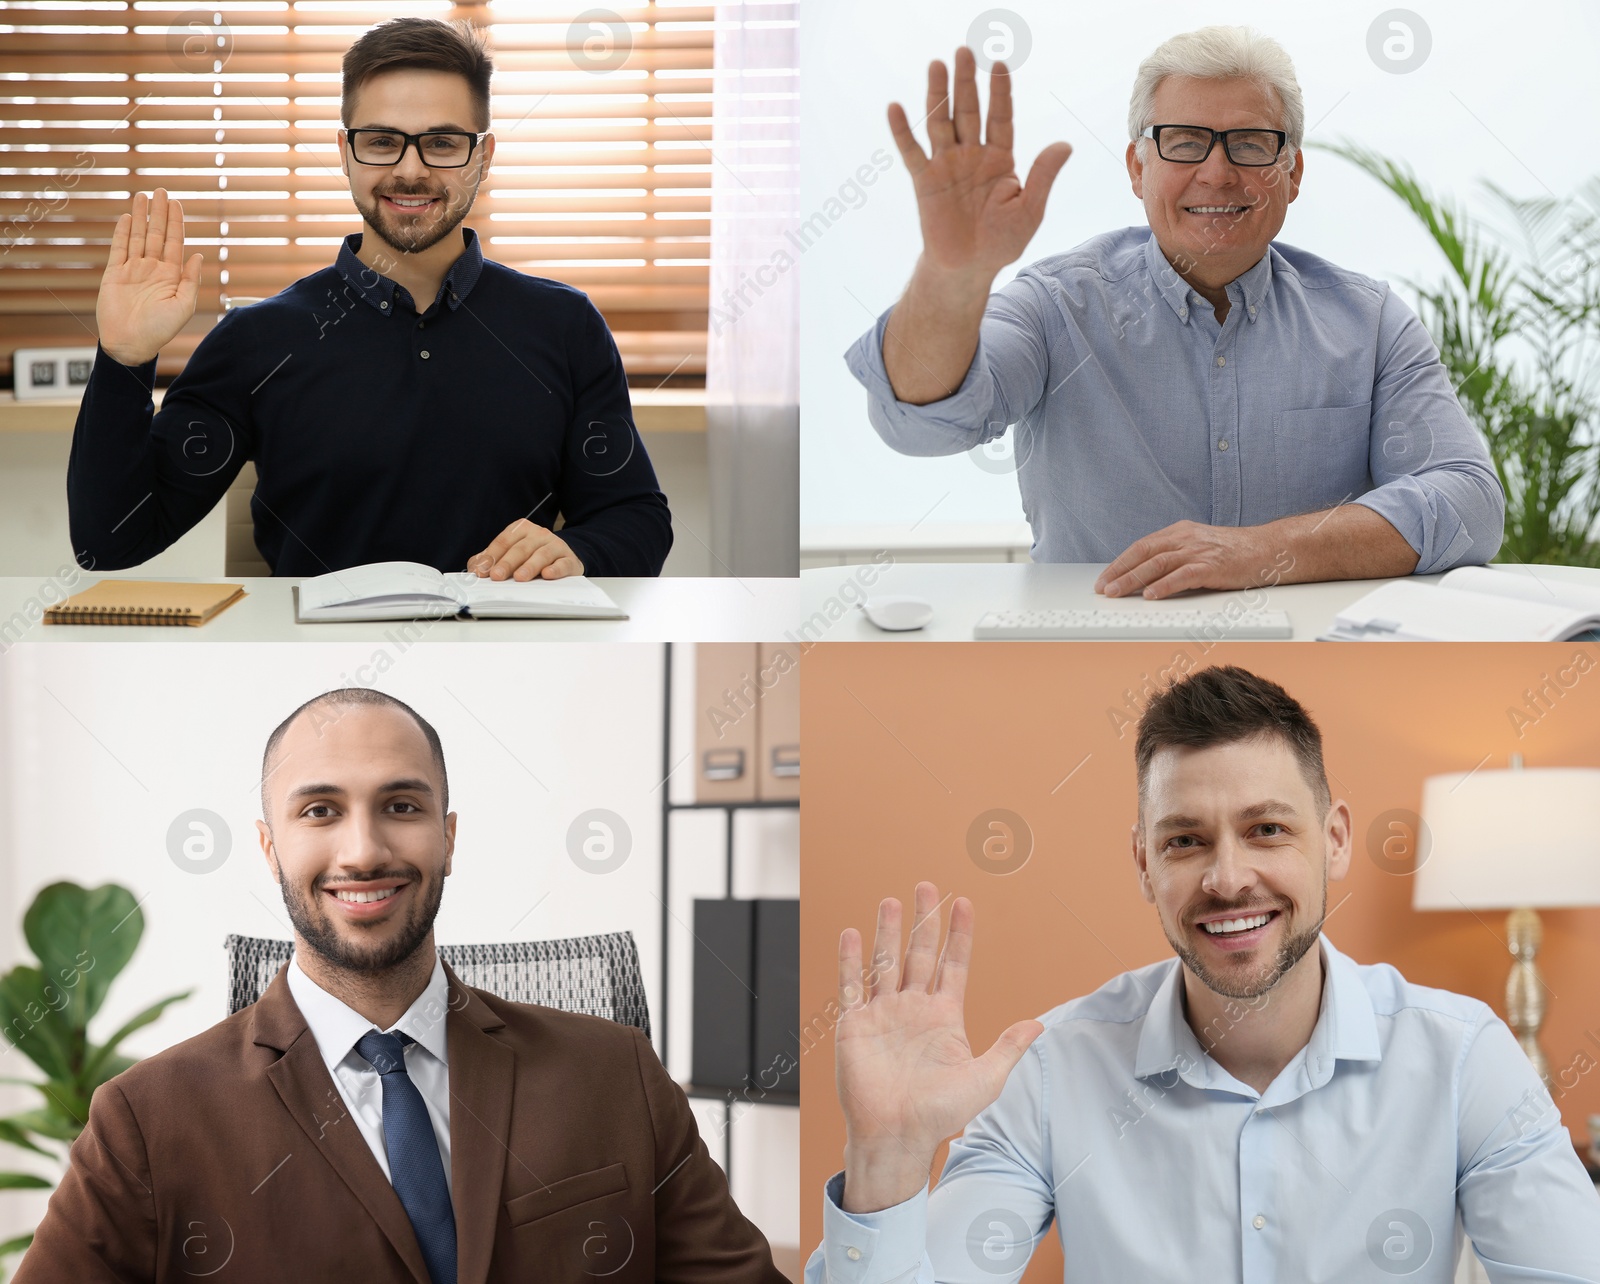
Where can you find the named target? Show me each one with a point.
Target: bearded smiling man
(370, 1117)
(413, 402)
(1260, 1108)
(1195, 404)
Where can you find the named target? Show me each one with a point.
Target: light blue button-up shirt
(1134, 409)
(1410, 1114)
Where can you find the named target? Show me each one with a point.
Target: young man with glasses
(415, 401)
(1194, 405)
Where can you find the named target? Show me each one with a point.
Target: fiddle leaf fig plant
(82, 938)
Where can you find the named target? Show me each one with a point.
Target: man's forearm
(876, 1178)
(1350, 542)
(932, 334)
(629, 538)
(110, 469)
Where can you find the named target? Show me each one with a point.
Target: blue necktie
(414, 1164)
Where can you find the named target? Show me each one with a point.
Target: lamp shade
(1507, 839)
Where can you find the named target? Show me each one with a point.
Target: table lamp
(1518, 840)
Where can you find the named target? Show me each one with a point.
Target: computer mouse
(897, 614)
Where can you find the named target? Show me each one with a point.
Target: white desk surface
(961, 592)
(669, 609)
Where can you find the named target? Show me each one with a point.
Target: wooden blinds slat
(601, 176)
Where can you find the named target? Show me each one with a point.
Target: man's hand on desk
(1190, 555)
(1348, 542)
(525, 550)
(906, 1075)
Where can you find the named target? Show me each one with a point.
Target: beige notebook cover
(144, 602)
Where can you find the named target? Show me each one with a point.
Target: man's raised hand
(905, 1072)
(976, 216)
(148, 293)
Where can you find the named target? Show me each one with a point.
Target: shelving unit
(728, 1096)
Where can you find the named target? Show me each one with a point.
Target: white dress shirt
(1410, 1115)
(337, 1028)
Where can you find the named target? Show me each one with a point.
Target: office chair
(598, 975)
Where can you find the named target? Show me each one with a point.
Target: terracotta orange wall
(905, 745)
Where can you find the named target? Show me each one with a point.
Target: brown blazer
(230, 1158)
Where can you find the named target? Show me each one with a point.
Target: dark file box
(747, 996)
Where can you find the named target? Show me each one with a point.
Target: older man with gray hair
(1194, 405)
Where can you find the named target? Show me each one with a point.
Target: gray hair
(1219, 53)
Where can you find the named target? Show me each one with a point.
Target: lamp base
(1524, 987)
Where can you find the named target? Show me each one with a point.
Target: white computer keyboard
(1210, 624)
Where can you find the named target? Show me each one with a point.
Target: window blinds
(601, 176)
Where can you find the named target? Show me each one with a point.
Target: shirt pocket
(1320, 456)
(561, 1195)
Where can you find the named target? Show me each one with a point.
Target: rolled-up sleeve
(1435, 483)
(1005, 381)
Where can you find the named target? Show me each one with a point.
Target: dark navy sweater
(378, 435)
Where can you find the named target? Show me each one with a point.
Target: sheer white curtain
(753, 352)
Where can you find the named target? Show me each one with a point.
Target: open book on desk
(412, 591)
(1472, 604)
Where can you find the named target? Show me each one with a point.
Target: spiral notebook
(144, 602)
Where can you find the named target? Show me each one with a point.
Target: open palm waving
(148, 293)
(976, 215)
(906, 1075)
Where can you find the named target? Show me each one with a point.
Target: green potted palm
(82, 938)
(1517, 322)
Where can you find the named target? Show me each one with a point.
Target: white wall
(1496, 99)
(101, 747)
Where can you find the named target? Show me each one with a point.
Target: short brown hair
(427, 43)
(1223, 705)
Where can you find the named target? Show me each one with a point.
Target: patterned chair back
(598, 975)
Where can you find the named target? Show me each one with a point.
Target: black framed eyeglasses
(437, 148)
(1191, 144)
